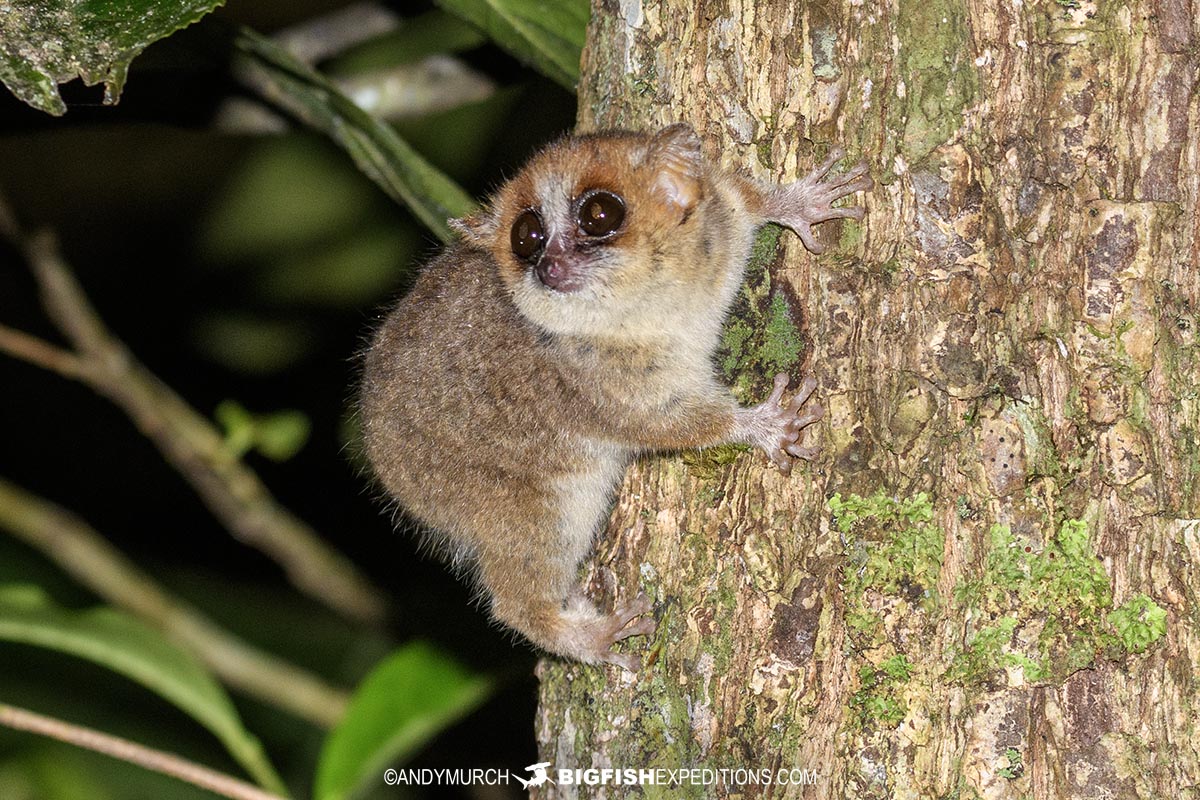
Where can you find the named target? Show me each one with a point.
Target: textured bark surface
(988, 585)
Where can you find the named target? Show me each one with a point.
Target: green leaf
(42, 771)
(238, 426)
(281, 434)
(278, 435)
(124, 645)
(50, 769)
(547, 34)
(408, 699)
(380, 153)
(47, 42)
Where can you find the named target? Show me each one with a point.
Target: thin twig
(433, 84)
(38, 352)
(189, 441)
(87, 556)
(318, 38)
(125, 750)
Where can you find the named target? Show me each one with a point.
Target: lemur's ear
(477, 228)
(675, 153)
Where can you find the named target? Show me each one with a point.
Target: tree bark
(988, 584)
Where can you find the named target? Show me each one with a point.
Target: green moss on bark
(892, 543)
(1042, 610)
(760, 338)
(1052, 610)
(940, 80)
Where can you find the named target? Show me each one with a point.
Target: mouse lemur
(569, 329)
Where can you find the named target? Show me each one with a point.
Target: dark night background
(247, 267)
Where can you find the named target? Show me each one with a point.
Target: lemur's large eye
(528, 236)
(601, 213)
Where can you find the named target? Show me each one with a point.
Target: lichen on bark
(1011, 334)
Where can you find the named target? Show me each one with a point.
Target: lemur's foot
(806, 202)
(595, 637)
(774, 426)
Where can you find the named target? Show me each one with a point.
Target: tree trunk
(988, 584)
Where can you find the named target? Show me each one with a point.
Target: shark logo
(539, 775)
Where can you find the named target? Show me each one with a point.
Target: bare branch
(319, 38)
(64, 299)
(436, 83)
(125, 750)
(89, 558)
(21, 345)
(188, 439)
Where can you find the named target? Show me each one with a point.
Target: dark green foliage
(266, 256)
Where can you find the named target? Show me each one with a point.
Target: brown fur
(502, 413)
